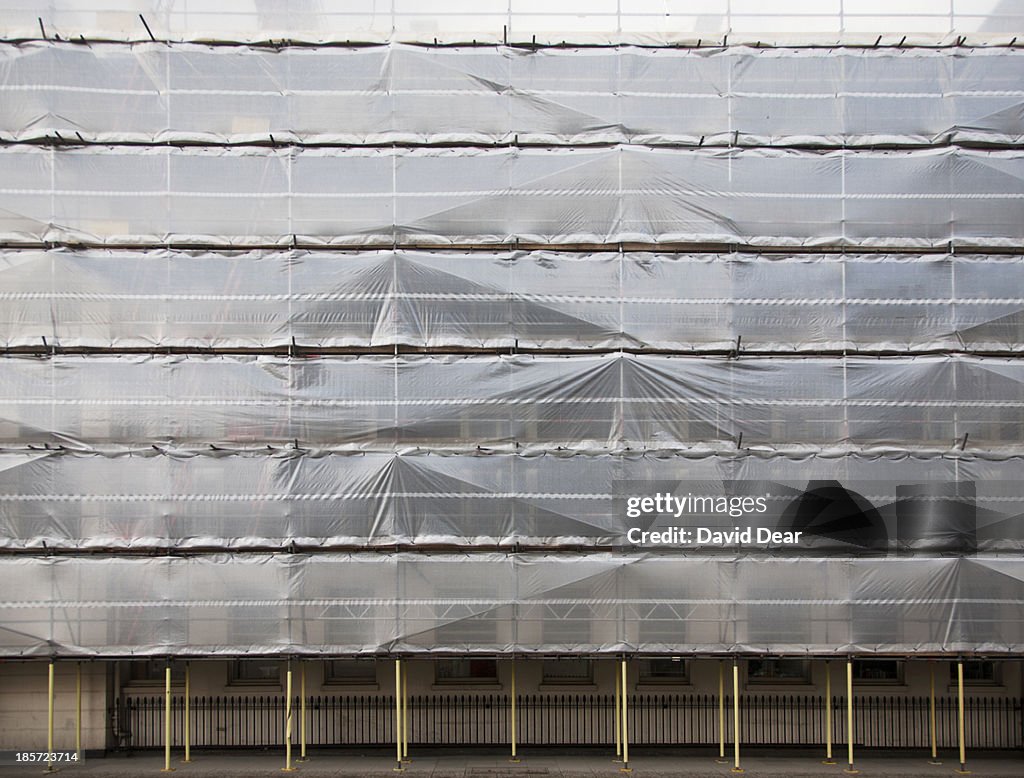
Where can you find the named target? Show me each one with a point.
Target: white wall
(23, 706)
(212, 678)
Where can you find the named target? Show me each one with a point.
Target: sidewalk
(450, 763)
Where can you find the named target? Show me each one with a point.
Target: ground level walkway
(445, 763)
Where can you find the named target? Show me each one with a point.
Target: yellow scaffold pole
(721, 713)
(167, 720)
(398, 717)
(49, 722)
(288, 721)
(188, 713)
(78, 710)
(405, 717)
(618, 718)
(736, 716)
(931, 715)
(960, 717)
(849, 719)
(828, 714)
(625, 724)
(513, 758)
(302, 713)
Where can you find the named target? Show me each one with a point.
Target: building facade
(320, 356)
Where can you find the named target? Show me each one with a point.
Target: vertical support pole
(78, 710)
(618, 717)
(405, 717)
(849, 718)
(828, 714)
(721, 712)
(288, 721)
(188, 714)
(931, 715)
(625, 724)
(49, 720)
(513, 758)
(960, 717)
(302, 713)
(736, 717)
(398, 717)
(167, 720)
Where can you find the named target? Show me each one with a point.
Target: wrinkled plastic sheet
(427, 21)
(217, 501)
(496, 603)
(151, 93)
(505, 300)
(221, 457)
(551, 196)
(585, 403)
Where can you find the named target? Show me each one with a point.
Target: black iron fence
(568, 719)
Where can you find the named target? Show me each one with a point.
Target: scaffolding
(317, 349)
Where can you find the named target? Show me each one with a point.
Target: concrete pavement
(451, 763)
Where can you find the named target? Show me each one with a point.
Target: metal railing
(569, 719)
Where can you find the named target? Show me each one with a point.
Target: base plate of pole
(625, 769)
(719, 760)
(851, 771)
(737, 770)
(289, 769)
(962, 771)
(515, 760)
(829, 761)
(934, 761)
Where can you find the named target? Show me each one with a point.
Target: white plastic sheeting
(209, 500)
(366, 603)
(151, 93)
(359, 197)
(504, 300)
(822, 22)
(444, 503)
(585, 403)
